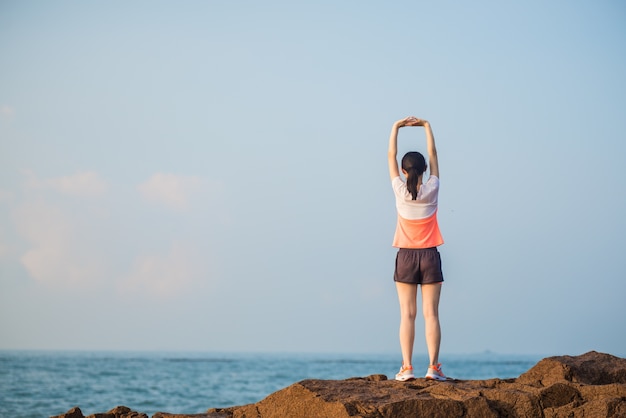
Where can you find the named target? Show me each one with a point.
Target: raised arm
(433, 162)
(392, 153)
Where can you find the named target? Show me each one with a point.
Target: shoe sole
(438, 379)
(404, 379)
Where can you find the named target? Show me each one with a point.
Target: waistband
(418, 249)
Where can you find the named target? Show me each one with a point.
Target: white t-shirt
(417, 225)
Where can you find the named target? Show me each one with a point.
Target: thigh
(407, 296)
(431, 293)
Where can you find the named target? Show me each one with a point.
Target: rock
(207, 415)
(592, 368)
(72, 413)
(117, 412)
(590, 385)
(366, 398)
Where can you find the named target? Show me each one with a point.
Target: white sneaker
(435, 373)
(405, 373)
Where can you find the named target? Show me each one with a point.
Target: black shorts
(418, 266)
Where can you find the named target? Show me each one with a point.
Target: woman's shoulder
(397, 180)
(432, 182)
(430, 189)
(397, 183)
(399, 187)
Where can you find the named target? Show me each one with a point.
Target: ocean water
(45, 383)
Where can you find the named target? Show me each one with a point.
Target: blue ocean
(44, 383)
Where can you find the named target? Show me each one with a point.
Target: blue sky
(212, 176)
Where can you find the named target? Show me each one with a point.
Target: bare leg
(430, 306)
(407, 296)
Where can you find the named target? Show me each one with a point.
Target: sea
(46, 383)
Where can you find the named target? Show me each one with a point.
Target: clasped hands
(411, 121)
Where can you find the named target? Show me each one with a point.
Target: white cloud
(163, 275)
(55, 256)
(7, 112)
(81, 184)
(171, 190)
(84, 184)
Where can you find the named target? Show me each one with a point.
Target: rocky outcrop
(590, 385)
(117, 412)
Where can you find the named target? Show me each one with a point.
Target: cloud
(7, 112)
(64, 242)
(62, 245)
(163, 275)
(174, 191)
(56, 255)
(83, 184)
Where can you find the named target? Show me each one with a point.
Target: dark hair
(415, 165)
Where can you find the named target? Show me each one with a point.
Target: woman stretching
(417, 237)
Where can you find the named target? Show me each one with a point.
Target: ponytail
(415, 165)
(411, 181)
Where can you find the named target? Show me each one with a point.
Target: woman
(417, 237)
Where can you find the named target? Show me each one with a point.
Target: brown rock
(72, 413)
(592, 368)
(591, 385)
(207, 415)
(119, 412)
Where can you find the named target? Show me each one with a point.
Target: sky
(212, 176)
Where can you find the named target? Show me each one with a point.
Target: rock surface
(590, 385)
(117, 412)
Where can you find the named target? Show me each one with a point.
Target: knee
(431, 314)
(409, 314)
